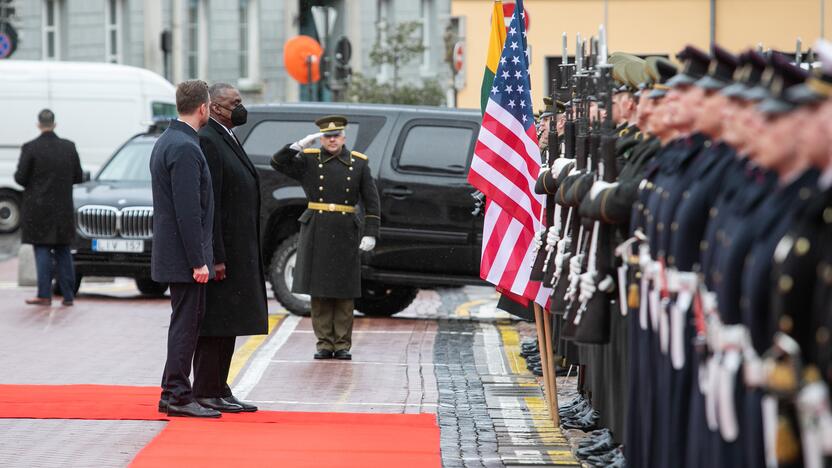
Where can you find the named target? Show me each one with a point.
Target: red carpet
(265, 438)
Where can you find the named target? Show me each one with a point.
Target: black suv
(419, 157)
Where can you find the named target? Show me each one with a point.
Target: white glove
(538, 239)
(552, 238)
(368, 243)
(575, 265)
(599, 186)
(306, 141)
(588, 287)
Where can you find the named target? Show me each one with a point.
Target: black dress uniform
(328, 263)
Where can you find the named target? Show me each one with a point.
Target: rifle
(594, 309)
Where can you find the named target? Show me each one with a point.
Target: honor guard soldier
(335, 181)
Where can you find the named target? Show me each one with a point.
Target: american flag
(505, 167)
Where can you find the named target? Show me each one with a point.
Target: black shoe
(192, 410)
(247, 407)
(609, 458)
(591, 440)
(163, 406)
(67, 303)
(323, 354)
(537, 370)
(600, 448)
(343, 355)
(533, 358)
(220, 405)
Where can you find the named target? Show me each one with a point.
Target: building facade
(641, 27)
(237, 41)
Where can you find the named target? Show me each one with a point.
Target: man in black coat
(335, 180)
(236, 299)
(48, 168)
(183, 218)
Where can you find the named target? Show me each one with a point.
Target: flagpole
(550, 357)
(544, 355)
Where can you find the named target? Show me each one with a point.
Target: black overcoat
(236, 305)
(328, 261)
(183, 206)
(47, 169)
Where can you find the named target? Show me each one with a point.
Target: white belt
(685, 284)
(732, 339)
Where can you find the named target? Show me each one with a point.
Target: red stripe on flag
(512, 140)
(497, 196)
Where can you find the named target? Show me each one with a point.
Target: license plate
(118, 245)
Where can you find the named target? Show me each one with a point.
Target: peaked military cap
(748, 74)
(695, 65)
(547, 111)
(720, 71)
(666, 71)
(817, 87)
(786, 76)
(331, 124)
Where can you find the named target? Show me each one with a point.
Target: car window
(132, 162)
(270, 135)
(434, 148)
(163, 110)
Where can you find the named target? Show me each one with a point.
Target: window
(51, 29)
(435, 148)
(163, 110)
(244, 42)
(114, 15)
(132, 162)
(192, 33)
(269, 136)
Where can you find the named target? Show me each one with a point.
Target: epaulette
(639, 136)
(623, 132)
(358, 155)
(312, 151)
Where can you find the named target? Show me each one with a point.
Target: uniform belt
(334, 207)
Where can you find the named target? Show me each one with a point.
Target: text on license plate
(118, 245)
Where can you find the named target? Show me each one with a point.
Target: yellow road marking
(242, 355)
(547, 431)
(464, 310)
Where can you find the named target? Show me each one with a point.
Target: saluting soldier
(335, 181)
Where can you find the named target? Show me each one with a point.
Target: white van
(97, 105)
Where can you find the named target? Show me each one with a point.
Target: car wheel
(281, 275)
(148, 287)
(9, 211)
(380, 300)
(56, 288)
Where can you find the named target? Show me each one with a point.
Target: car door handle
(398, 193)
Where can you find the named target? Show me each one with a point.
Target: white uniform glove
(588, 287)
(368, 243)
(599, 186)
(552, 238)
(306, 141)
(538, 239)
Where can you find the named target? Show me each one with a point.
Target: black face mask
(239, 115)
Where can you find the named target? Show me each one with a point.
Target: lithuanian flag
(495, 48)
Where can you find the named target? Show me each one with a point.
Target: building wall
(640, 26)
(83, 28)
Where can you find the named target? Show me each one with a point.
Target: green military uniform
(328, 262)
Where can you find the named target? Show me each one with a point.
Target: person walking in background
(183, 215)
(236, 299)
(49, 166)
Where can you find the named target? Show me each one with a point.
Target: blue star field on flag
(511, 84)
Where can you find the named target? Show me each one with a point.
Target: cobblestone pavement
(451, 353)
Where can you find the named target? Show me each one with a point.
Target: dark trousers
(52, 261)
(332, 323)
(188, 307)
(212, 361)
